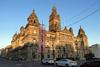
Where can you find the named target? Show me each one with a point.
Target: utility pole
(53, 51)
(41, 41)
(83, 47)
(76, 42)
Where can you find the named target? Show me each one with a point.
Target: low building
(0, 52)
(95, 49)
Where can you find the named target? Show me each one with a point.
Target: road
(7, 63)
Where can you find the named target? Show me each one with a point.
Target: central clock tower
(54, 21)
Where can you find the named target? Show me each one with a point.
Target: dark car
(16, 59)
(91, 63)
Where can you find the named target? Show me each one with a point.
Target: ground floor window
(48, 56)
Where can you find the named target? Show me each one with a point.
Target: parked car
(91, 63)
(47, 61)
(16, 59)
(66, 62)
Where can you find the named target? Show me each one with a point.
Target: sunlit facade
(34, 41)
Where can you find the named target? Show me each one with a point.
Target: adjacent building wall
(95, 49)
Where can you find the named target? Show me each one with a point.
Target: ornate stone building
(34, 42)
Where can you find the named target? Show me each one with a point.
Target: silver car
(66, 62)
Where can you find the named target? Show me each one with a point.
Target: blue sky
(14, 13)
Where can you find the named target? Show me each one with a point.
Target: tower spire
(71, 30)
(54, 11)
(81, 31)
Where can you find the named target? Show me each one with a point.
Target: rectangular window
(48, 56)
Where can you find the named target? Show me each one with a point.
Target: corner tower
(32, 20)
(33, 24)
(32, 29)
(54, 21)
(82, 37)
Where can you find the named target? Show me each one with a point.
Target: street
(7, 63)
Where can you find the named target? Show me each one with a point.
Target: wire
(85, 17)
(86, 9)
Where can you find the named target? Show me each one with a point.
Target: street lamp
(63, 52)
(83, 48)
(42, 43)
(76, 43)
(53, 51)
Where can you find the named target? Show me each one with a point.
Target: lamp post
(83, 48)
(63, 52)
(76, 43)
(53, 51)
(42, 42)
(42, 56)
